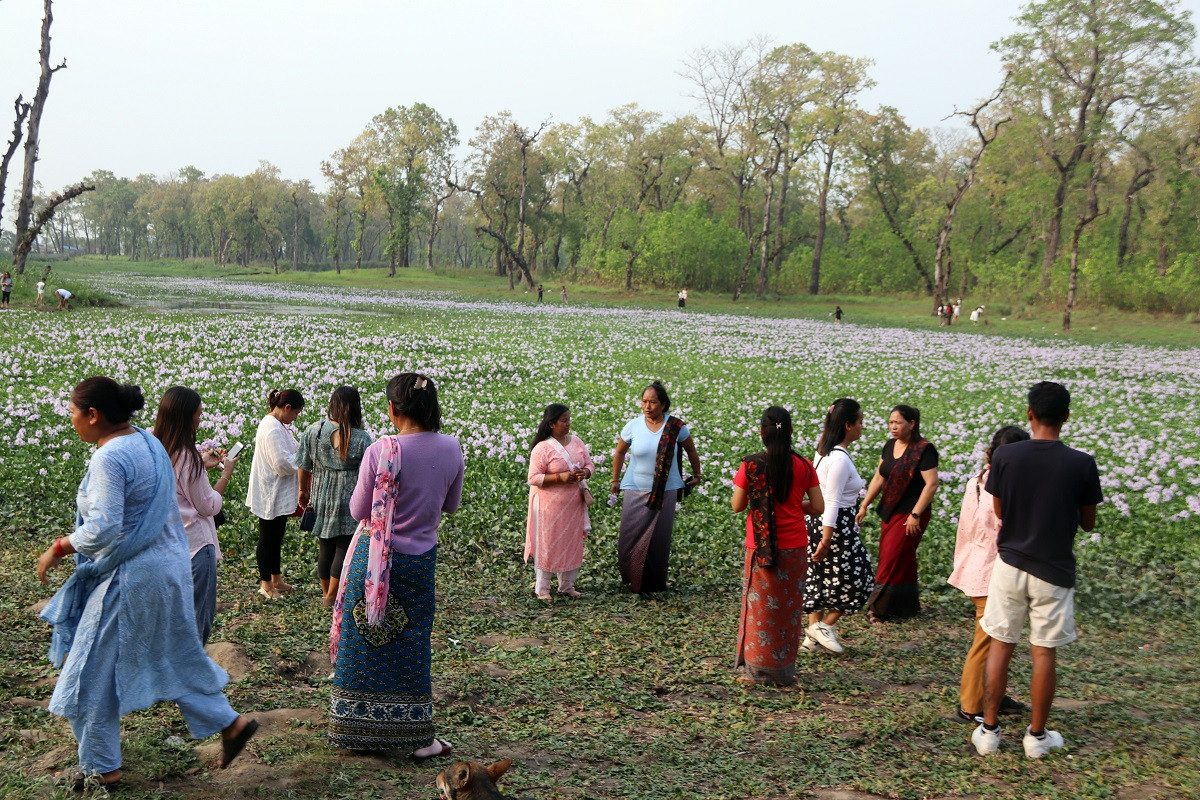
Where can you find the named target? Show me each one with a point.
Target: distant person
(976, 314)
(6, 287)
(683, 297)
(1043, 492)
(274, 490)
(41, 293)
(779, 488)
(974, 557)
(837, 314)
(905, 480)
(957, 307)
(175, 426)
(540, 292)
(330, 453)
(64, 299)
(46, 274)
(563, 294)
(558, 523)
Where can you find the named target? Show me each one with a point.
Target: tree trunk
(1139, 181)
(33, 132)
(295, 230)
(814, 280)
(629, 269)
(764, 262)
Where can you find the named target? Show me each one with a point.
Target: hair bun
(130, 397)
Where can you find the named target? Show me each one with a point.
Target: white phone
(234, 451)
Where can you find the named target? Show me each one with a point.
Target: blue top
(131, 567)
(643, 449)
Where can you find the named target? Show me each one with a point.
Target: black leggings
(331, 556)
(270, 541)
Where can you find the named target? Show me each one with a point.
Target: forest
(1075, 181)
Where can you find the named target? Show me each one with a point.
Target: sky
(155, 85)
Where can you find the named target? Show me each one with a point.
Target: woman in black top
(907, 478)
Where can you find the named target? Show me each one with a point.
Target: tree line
(1076, 180)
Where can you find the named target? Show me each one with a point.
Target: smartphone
(234, 451)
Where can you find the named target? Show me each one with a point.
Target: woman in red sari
(907, 478)
(780, 488)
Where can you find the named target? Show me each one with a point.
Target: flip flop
(232, 748)
(444, 749)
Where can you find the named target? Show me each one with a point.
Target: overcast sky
(155, 85)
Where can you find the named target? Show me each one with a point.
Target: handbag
(308, 520)
(219, 518)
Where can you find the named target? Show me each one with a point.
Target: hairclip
(421, 383)
(778, 425)
(831, 408)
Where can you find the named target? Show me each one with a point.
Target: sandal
(572, 592)
(79, 780)
(444, 749)
(874, 620)
(232, 748)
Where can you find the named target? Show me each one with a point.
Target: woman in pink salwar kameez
(559, 465)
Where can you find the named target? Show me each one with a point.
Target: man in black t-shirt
(1043, 492)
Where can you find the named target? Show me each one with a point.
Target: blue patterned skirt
(382, 691)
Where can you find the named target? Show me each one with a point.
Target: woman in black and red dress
(907, 478)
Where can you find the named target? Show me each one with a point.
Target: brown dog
(468, 780)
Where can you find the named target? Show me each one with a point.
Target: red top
(791, 529)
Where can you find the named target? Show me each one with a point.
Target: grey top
(333, 479)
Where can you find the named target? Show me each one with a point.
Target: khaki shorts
(1013, 594)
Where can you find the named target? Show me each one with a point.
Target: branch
(22, 109)
(24, 244)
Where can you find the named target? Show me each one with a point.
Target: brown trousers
(970, 693)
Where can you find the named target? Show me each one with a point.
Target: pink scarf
(379, 559)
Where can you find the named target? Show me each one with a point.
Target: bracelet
(58, 551)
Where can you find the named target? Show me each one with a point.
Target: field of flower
(614, 696)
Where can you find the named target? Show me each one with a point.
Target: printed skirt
(843, 581)
(772, 620)
(382, 691)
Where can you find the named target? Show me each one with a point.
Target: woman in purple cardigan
(382, 695)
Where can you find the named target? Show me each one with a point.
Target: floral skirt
(843, 581)
(382, 695)
(772, 620)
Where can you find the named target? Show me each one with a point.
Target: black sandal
(232, 748)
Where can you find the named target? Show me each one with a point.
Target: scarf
(900, 477)
(66, 607)
(762, 509)
(379, 557)
(663, 460)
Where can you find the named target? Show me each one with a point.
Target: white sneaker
(826, 636)
(1036, 747)
(986, 742)
(810, 644)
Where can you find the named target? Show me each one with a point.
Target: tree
(32, 139)
(1083, 69)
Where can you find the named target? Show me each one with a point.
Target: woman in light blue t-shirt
(651, 488)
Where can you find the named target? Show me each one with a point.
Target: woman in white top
(175, 426)
(274, 490)
(840, 577)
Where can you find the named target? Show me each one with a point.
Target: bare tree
(987, 133)
(21, 110)
(33, 129)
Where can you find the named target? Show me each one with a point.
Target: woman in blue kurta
(124, 623)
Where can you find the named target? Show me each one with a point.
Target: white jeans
(566, 580)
